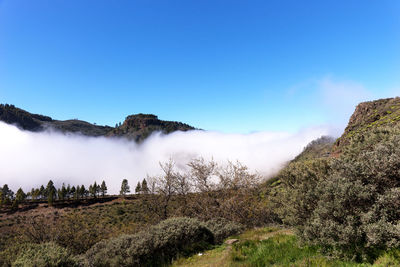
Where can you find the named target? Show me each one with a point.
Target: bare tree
(236, 176)
(166, 185)
(202, 174)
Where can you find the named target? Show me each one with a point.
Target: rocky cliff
(367, 116)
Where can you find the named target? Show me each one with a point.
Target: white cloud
(341, 96)
(30, 159)
(334, 99)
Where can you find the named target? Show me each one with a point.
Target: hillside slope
(135, 127)
(369, 115)
(318, 148)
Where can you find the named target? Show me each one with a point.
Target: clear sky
(231, 66)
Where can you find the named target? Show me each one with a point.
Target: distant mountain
(369, 115)
(135, 127)
(138, 127)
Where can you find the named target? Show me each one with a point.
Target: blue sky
(230, 66)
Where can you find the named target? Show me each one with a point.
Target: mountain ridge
(135, 127)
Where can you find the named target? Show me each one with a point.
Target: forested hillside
(135, 127)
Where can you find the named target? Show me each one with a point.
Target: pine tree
(103, 189)
(145, 188)
(50, 192)
(83, 191)
(42, 193)
(7, 195)
(124, 188)
(33, 196)
(91, 190)
(97, 188)
(138, 188)
(59, 194)
(68, 190)
(64, 192)
(73, 191)
(94, 189)
(20, 196)
(77, 192)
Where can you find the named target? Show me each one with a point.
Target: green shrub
(296, 200)
(156, 246)
(350, 207)
(222, 228)
(46, 254)
(358, 209)
(10, 251)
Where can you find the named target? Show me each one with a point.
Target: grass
(274, 247)
(217, 257)
(279, 250)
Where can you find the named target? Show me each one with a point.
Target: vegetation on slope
(349, 205)
(135, 127)
(318, 148)
(221, 203)
(367, 116)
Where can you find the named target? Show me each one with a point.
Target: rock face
(136, 127)
(368, 115)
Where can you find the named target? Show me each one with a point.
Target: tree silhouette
(103, 189)
(124, 188)
(145, 188)
(50, 192)
(138, 188)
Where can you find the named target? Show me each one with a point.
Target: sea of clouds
(29, 159)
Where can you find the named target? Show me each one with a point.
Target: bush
(10, 251)
(353, 209)
(222, 228)
(46, 254)
(79, 233)
(159, 245)
(296, 200)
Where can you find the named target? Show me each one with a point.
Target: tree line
(204, 189)
(50, 193)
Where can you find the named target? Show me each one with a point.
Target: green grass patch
(275, 247)
(282, 250)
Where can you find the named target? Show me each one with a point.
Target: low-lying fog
(30, 159)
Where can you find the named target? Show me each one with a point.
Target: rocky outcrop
(368, 115)
(138, 127)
